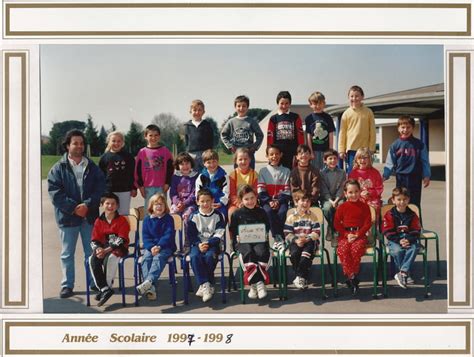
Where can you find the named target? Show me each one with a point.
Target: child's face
(185, 168)
(152, 138)
(405, 130)
(364, 162)
(352, 193)
(401, 202)
(159, 207)
(274, 156)
(355, 99)
(243, 161)
(303, 158)
(331, 161)
(241, 108)
(205, 203)
(110, 205)
(211, 165)
(249, 200)
(116, 142)
(197, 112)
(318, 107)
(303, 204)
(284, 105)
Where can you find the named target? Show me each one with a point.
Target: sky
(120, 83)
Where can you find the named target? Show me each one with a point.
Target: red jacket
(103, 231)
(353, 214)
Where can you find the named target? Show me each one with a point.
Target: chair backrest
(132, 222)
(414, 208)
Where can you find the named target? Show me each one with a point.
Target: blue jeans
(68, 236)
(350, 160)
(153, 266)
(204, 264)
(403, 258)
(150, 191)
(329, 211)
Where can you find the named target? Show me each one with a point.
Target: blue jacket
(159, 231)
(66, 195)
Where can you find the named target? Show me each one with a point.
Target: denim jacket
(66, 195)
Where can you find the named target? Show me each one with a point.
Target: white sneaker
(304, 283)
(151, 293)
(206, 292)
(144, 287)
(299, 283)
(261, 290)
(253, 291)
(200, 290)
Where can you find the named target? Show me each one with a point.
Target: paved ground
(310, 301)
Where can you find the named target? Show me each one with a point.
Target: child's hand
(216, 205)
(351, 237)
(99, 253)
(342, 155)
(81, 210)
(300, 242)
(155, 250)
(405, 243)
(426, 182)
(233, 149)
(166, 188)
(133, 193)
(203, 247)
(365, 194)
(142, 191)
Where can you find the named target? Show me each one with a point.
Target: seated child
(215, 179)
(352, 221)
(254, 257)
(304, 176)
(302, 230)
(332, 189)
(401, 227)
(158, 236)
(204, 233)
(109, 243)
(183, 185)
(274, 191)
(242, 175)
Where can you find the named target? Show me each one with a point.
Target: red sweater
(370, 180)
(118, 227)
(353, 214)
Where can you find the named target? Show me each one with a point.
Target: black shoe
(355, 286)
(66, 293)
(92, 287)
(349, 283)
(105, 295)
(98, 296)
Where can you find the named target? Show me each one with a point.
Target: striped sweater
(274, 184)
(305, 225)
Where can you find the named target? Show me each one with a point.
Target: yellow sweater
(357, 129)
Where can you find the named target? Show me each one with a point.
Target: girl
(118, 166)
(159, 242)
(352, 221)
(183, 186)
(254, 257)
(242, 175)
(369, 178)
(305, 177)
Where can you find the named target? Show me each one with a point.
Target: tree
(134, 139)
(102, 139)
(112, 127)
(170, 128)
(57, 134)
(92, 137)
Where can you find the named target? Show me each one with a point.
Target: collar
(83, 161)
(206, 214)
(281, 113)
(242, 118)
(103, 218)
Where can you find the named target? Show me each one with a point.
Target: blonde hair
(316, 97)
(155, 198)
(109, 136)
(197, 103)
(362, 152)
(245, 151)
(210, 154)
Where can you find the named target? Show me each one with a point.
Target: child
(242, 175)
(408, 159)
(158, 236)
(254, 257)
(198, 134)
(305, 177)
(240, 130)
(370, 180)
(352, 221)
(319, 129)
(109, 242)
(401, 227)
(274, 191)
(357, 127)
(285, 129)
(332, 189)
(118, 166)
(183, 186)
(154, 165)
(215, 179)
(204, 233)
(302, 230)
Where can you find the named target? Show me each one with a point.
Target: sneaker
(253, 291)
(200, 290)
(400, 279)
(261, 290)
(207, 292)
(98, 296)
(304, 283)
(144, 287)
(409, 280)
(66, 293)
(151, 293)
(355, 286)
(298, 282)
(105, 295)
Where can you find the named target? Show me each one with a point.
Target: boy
(215, 179)
(332, 188)
(285, 129)
(240, 130)
(407, 157)
(319, 129)
(204, 233)
(401, 227)
(198, 134)
(109, 243)
(302, 230)
(304, 177)
(154, 165)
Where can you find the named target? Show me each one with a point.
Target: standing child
(369, 178)
(159, 242)
(408, 159)
(242, 175)
(215, 179)
(305, 177)
(285, 129)
(198, 134)
(118, 166)
(357, 127)
(274, 191)
(254, 257)
(302, 230)
(183, 186)
(401, 227)
(204, 234)
(352, 221)
(240, 130)
(109, 243)
(319, 129)
(154, 165)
